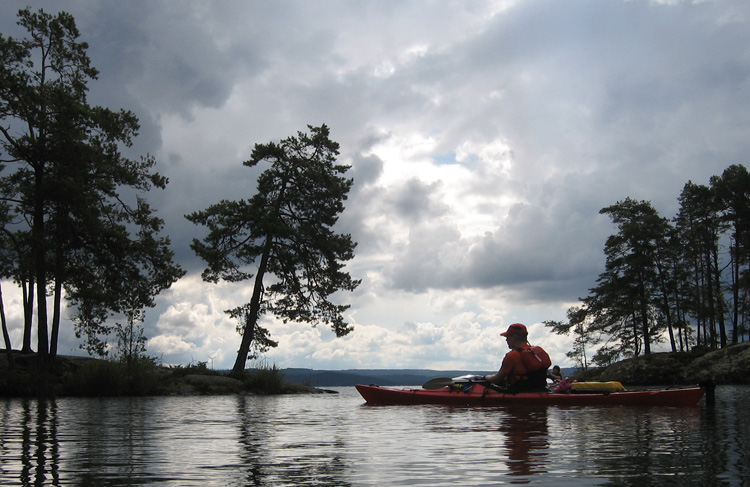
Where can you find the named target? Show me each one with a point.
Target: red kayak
(477, 395)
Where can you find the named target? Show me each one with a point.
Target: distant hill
(381, 377)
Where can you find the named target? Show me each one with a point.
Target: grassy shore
(83, 376)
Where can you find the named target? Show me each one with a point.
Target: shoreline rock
(730, 365)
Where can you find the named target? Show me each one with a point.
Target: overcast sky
(484, 138)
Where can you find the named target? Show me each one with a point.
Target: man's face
(513, 341)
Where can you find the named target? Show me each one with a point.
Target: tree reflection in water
(288, 446)
(253, 438)
(39, 445)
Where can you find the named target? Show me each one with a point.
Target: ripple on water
(337, 440)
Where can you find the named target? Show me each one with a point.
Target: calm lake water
(336, 440)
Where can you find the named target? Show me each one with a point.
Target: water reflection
(639, 446)
(284, 445)
(252, 438)
(653, 444)
(39, 445)
(113, 440)
(336, 441)
(526, 441)
(725, 436)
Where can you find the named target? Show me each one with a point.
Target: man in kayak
(524, 368)
(555, 374)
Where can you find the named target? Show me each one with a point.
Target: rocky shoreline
(730, 365)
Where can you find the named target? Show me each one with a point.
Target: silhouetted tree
(699, 227)
(732, 190)
(89, 241)
(284, 231)
(659, 275)
(631, 278)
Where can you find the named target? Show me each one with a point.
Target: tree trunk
(698, 303)
(644, 317)
(251, 322)
(55, 320)
(634, 323)
(665, 303)
(28, 313)
(719, 301)
(681, 324)
(39, 253)
(735, 291)
(6, 335)
(709, 290)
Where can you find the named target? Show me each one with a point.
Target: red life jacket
(535, 358)
(535, 361)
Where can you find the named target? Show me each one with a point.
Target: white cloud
(161, 344)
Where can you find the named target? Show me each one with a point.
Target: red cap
(515, 329)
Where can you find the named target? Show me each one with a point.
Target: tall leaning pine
(283, 234)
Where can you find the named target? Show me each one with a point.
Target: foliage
(199, 368)
(74, 221)
(687, 279)
(92, 378)
(33, 382)
(115, 378)
(131, 342)
(283, 234)
(581, 332)
(265, 380)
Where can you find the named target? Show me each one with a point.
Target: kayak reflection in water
(524, 368)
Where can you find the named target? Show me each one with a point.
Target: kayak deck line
(478, 395)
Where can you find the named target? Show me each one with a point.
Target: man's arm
(497, 378)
